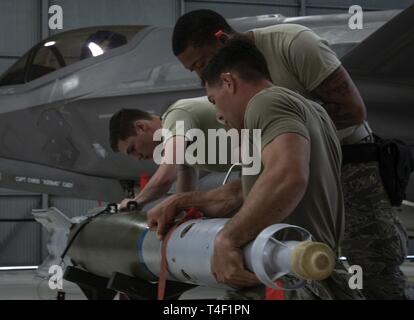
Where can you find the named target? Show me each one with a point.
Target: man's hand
(227, 265)
(163, 215)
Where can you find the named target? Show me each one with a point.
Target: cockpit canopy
(65, 49)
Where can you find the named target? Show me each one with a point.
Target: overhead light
(95, 49)
(18, 268)
(50, 43)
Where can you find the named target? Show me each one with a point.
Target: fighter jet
(56, 101)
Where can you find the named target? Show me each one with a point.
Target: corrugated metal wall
(16, 18)
(103, 12)
(25, 22)
(239, 8)
(22, 240)
(72, 207)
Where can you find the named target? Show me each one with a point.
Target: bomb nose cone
(312, 260)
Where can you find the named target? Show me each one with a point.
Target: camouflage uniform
(255, 293)
(374, 237)
(336, 287)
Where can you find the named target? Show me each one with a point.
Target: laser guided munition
(123, 243)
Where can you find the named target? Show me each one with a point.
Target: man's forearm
(341, 99)
(341, 116)
(217, 203)
(268, 203)
(159, 184)
(152, 193)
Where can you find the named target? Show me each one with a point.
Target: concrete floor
(25, 285)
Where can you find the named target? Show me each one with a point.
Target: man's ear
(140, 126)
(228, 82)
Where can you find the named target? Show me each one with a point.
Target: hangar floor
(25, 285)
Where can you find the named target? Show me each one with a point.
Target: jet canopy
(65, 49)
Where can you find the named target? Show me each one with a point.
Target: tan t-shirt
(297, 58)
(300, 60)
(277, 111)
(198, 113)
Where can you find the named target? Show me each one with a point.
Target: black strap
(358, 153)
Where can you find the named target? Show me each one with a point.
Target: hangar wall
(23, 23)
(22, 239)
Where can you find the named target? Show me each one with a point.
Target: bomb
(123, 243)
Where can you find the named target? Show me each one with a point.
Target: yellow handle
(312, 260)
